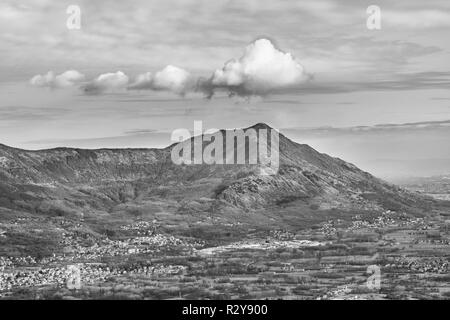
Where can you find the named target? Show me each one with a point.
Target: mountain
(73, 182)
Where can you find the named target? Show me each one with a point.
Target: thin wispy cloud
(388, 127)
(418, 19)
(24, 113)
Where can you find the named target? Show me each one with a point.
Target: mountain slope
(66, 181)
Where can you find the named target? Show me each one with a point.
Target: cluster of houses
(281, 235)
(328, 228)
(337, 293)
(386, 219)
(435, 265)
(88, 274)
(390, 219)
(138, 245)
(27, 271)
(142, 228)
(7, 262)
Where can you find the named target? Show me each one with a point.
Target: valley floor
(329, 260)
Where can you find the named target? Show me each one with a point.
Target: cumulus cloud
(142, 82)
(173, 79)
(170, 78)
(63, 80)
(107, 82)
(262, 68)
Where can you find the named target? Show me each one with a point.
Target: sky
(137, 70)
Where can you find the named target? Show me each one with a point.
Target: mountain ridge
(29, 178)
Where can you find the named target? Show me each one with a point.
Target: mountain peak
(260, 125)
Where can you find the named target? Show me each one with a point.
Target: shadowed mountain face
(67, 181)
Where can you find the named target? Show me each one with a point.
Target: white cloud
(107, 82)
(170, 78)
(63, 80)
(261, 69)
(173, 79)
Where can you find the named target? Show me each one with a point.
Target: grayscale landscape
(140, 227)
(114, 183)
